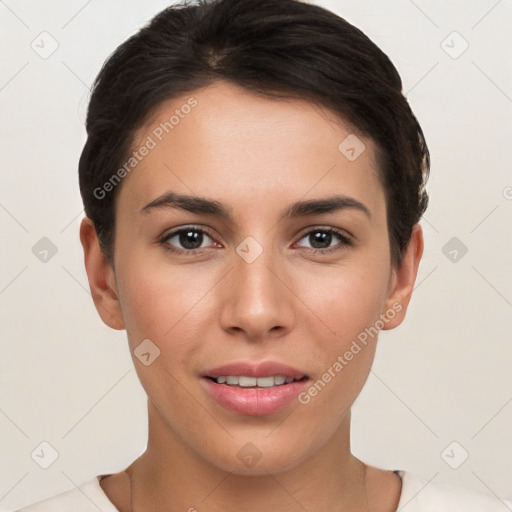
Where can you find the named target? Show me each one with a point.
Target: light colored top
(417, 496)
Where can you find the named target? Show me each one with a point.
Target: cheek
(160, 301)
(350, 305)
(348, 299)
(165, 305)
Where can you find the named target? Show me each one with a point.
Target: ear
(403, 279)
(101, 277)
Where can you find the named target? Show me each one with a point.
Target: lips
(264, 369)
(254, 389)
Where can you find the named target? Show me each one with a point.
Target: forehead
(226, 141)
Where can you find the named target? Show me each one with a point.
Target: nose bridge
(257, 301)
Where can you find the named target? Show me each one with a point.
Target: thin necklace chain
(364, 480)
(365, 488)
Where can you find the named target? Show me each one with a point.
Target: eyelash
(345, 240)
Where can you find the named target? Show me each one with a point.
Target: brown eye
(322, 239)
(187, 240)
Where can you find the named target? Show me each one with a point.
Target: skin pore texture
(297, 303)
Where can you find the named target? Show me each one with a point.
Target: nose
(257, 304)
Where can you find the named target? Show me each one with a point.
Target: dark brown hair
(277, 48)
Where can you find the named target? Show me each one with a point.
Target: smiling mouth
(243, 381)
(254, 390)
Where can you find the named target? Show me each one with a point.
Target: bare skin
(295, 303)
(383, 488)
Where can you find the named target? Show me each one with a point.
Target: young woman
(253, 180)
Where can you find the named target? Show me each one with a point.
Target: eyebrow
(196, 204)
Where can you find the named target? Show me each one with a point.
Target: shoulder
(88, 497)
(420, 495)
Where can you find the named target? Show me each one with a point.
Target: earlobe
(101, 277)
(403, 279)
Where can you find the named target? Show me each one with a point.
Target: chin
(258, 458)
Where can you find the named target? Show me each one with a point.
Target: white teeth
(247, 382)
(268, 382)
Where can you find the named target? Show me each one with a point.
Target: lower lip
(254, 401)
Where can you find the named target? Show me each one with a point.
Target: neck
(172, 476)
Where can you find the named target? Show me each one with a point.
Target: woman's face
(261, 277)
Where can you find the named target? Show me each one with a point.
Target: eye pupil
(320, 237)
(189, 239)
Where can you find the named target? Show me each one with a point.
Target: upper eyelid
(333, 229)
(173, 232)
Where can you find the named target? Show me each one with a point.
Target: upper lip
(248, 369)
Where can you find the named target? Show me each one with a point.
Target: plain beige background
(440, 389)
